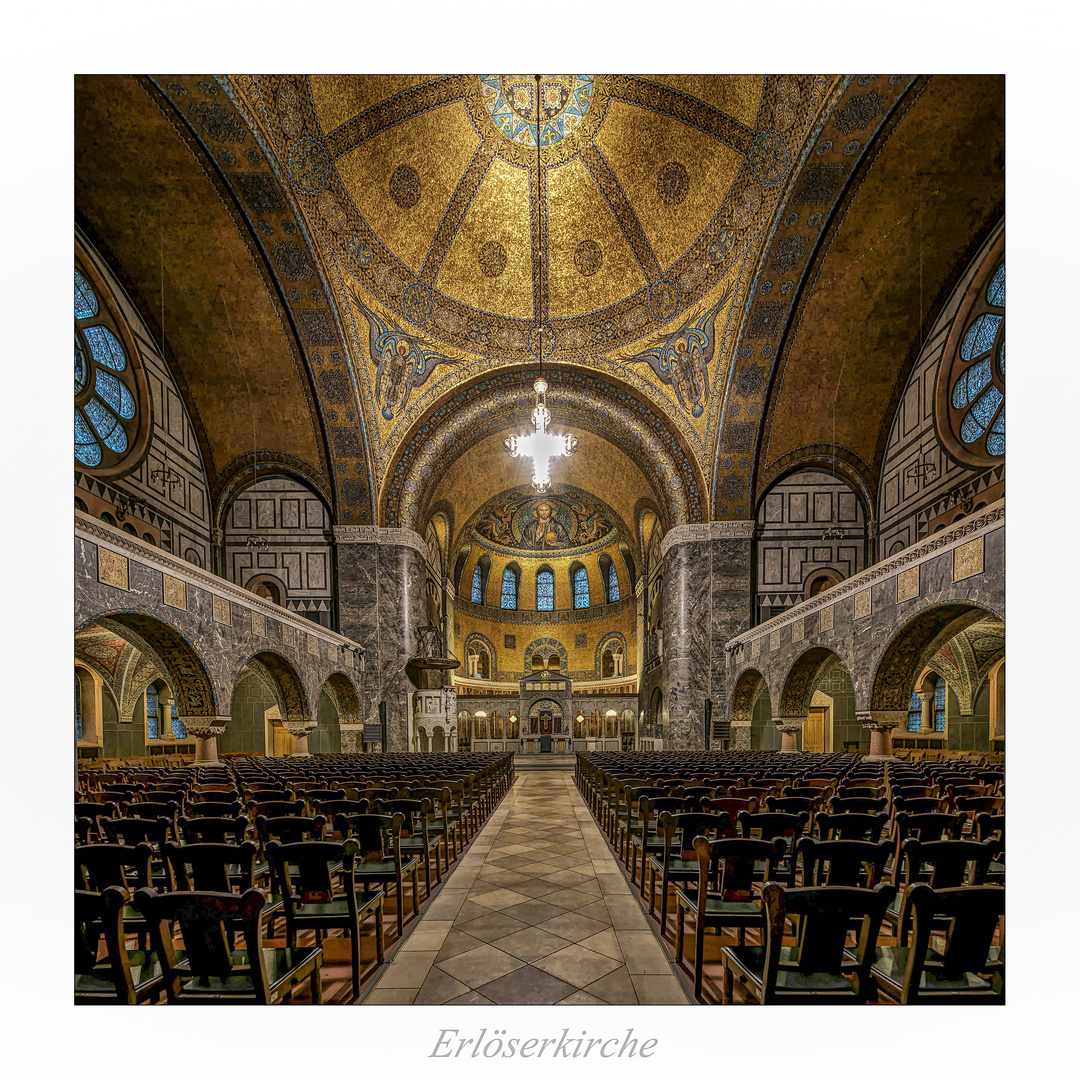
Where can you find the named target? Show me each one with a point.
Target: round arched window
(971, 388)
(111, 417)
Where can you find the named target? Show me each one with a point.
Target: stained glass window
(477, 587)
(914, 716)
(153, 729)
(105, 403)
(78, 708)
(509, 589)
(942, 691)
(977, 375)
(545, 591)
(612, 584)
(179, 731)
(581, 588)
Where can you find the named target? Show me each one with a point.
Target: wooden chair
(645, 838)
(855, 804)
(851, 826)
(381, 861)
(155, 832)
(970, 970)
(214, 830)
(445, 822)
(416, 836)
(679, 862)
(304, 873)
(125, 976)
(208, 970)
(215, 808)
(725, 892)
(770, 826)
(818, 969)
(289, 829)
(856, 863)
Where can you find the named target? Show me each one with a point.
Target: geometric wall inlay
(826, 619)
(755, 647)
(774, 641)
(258, 624)
(968, 559)
(797, 629)
(862, 604)
(174, 592)
(287, 635)
(907, 585)
(112, 568)
(222, 610)
(313, 645)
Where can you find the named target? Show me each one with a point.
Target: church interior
(539, 539)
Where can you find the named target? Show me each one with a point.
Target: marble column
(926, 700)
(299, 731)
(706, 572)
(381, 590)
(881, 723)
(206, 729)
(789, 727)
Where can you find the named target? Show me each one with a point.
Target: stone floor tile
(533, 911)
(614, 988)
(492, 925)
(642, 953)
(572, 926)
(526, 986)
(457, 942)
(577, 965)
(530, 944)
(407, 970)
(568, 878)
(605, 942)
(480, 966)
(659, 990)
(471, 998)
(429, 934)
(580, 997)
(498, 899)
(403, 996)
(439, 988)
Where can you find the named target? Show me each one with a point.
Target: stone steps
(544, 762)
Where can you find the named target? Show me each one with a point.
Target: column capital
(882, 719)
(299, 727)
(375, 534)
(790, 724)
(709, 530)
(204, 727)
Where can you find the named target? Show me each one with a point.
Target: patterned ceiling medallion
(588, 257)
(672, 183)
(492, 259)
(511, 103)
(405, 186)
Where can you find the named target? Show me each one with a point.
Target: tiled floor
(537, 912)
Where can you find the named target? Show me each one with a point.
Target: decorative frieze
(258, 624)
(288, 635)
(863, 604)
(174, 592)
(375, 534)
(774, 641)
(797, 630)
(825, 619)
(222, 610)
(968, 559)
(312, 645)
(710, 530)
(907, 585)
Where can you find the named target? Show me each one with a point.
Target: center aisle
(537, 912)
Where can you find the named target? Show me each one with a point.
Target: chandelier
(541, 445)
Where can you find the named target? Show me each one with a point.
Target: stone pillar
(789, 726)
(706, 572)
(206, 729)
(381, 604)
(881, 723)
(926, 699)
(352, 737)
(165, 703)
(740, 734)
(299, 731)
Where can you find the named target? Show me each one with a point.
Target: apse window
(110, 427)
(477, 587)
(509, 590)
(612, 584)
(545, 591)
(581, 588)
(973, 389)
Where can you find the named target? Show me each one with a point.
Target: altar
(545, 706)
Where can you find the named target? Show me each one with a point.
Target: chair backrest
(414, 811)
(101, 914)
(147, 808)
(974, 913)
(946, 864)
(289, 829)
(728, 865)
(215, 808)
(375, 834)
(136, 830)
(769, 824)
(206, 867)
(681, 830)
(825, 916)
(97, 866)
(856, 863)
(213, 830)
(304, 871)
(855, 804)
(731, 806)
(204, 920)
(851, 826)
(276, 808)
(990, 827)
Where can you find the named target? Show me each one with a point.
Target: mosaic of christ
(543, 523)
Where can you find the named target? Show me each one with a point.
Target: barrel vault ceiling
(733, 272)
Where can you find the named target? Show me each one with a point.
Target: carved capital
(881, 720)
(299, 728)
(204, 727)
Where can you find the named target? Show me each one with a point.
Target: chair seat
(97, 985)
(749, 961)
(682, 868)
(285, 967)
(730, 911)
(890, 964)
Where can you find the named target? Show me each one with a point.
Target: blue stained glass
(970, 429)
(940, 698)
(995, 445)
(1001, 358)
(581, 588)
(999, 423)
(545, 591)
(980, 336)
(914, 716)
(86, 447)
(105, 423)
(509, 590)
(995, 291)
(117, 441)
(86, 305)
(987, 405)
(477, 592)
(115, 393)
(612, 584)
(179, 731)
(970, 383)
(152, 726)
(105, 347)
(78, 708)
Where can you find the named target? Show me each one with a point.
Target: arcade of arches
(297, 362)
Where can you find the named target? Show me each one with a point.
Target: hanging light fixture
(541, 445)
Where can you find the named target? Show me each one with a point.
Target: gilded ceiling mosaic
(521, 522)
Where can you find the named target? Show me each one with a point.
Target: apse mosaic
(519, 521)
(512, 102)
